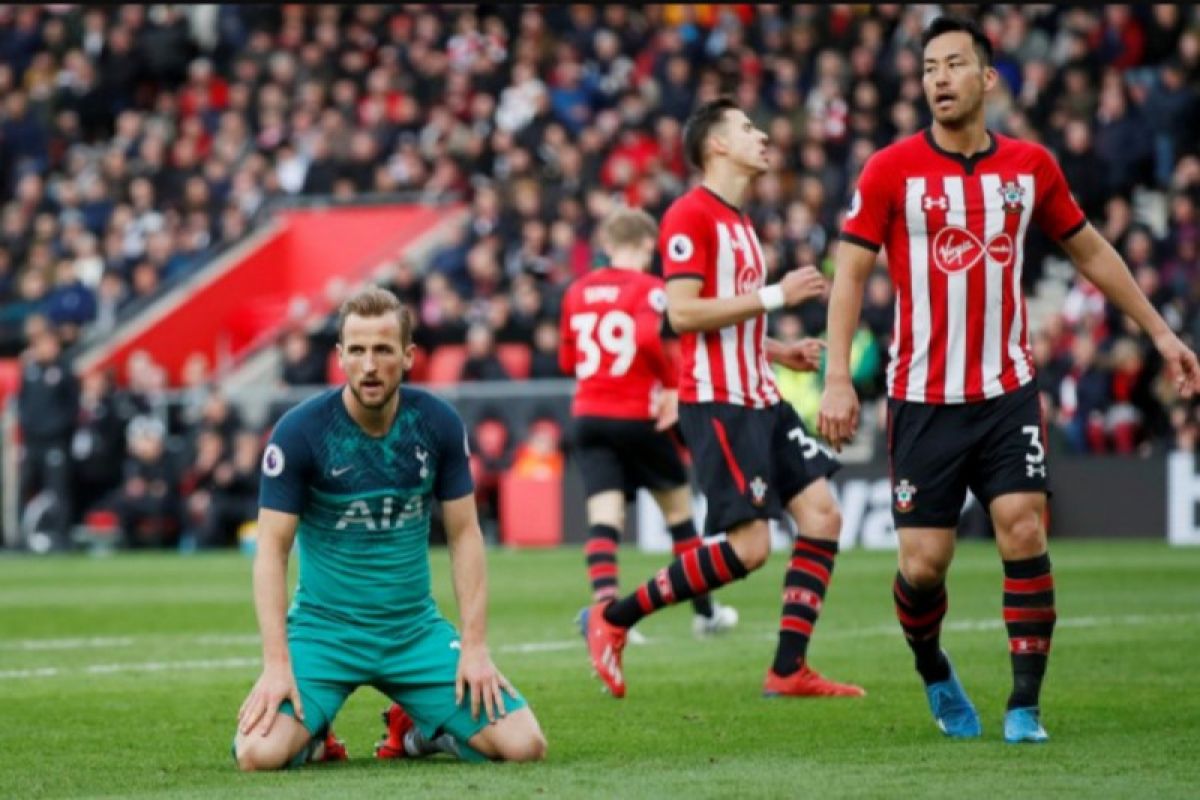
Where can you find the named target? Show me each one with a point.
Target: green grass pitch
(121, 677)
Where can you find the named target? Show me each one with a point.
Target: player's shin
(696, 572)
(807, 578)
(600, 552)
(683, 540)
(920, 612)
(1029, 616)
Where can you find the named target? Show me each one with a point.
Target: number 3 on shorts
(809, 447)
(1035, 459)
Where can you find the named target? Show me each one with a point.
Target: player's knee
(1023, 535)
(922, 571)
(255, 754)
(753, 546)
(531, 747)
(826, 524)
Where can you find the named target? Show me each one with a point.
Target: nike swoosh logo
(341, 471)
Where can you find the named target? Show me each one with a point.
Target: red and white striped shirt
(704, 237)
(610, 340)
(954, 229)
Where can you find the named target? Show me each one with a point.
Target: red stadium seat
(491, 438)
(420, 366)
(333, 369)
(530, 511)
(446, 363)
(10, 377)
(517, 359)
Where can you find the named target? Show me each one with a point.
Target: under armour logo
(929, 203)
(1035, 470)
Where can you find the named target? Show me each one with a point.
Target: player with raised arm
(951, 205)
(625, 404)
(350, 476)
(752, 455)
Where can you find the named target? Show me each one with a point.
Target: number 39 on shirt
(613, 333)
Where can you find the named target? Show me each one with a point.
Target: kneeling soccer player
(351, 475)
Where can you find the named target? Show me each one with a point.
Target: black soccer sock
(683, 539)
(804, 587)
(921, 612)
(1029, 617)
(694, 573)
(601, 554)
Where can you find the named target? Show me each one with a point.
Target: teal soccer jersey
(364, 504)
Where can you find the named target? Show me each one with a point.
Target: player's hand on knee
(479, 676)
(838, 418)
(802, 284)
(261, 706)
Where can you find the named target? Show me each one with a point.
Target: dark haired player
(752, 455)
(952, 206)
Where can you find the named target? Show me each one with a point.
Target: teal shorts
(415, 669)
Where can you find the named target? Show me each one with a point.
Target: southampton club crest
(906, 496)
(1012, 195)
(758, 490)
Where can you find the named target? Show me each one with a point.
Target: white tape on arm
(771, 297)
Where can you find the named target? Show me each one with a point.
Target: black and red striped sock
(601, 554)
(803, 595)
(694, 573)
(683, 539)
(921, 612)
(1029, 617)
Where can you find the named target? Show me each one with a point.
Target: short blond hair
(625, 227)
(375, 301)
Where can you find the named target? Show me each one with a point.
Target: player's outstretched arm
(476, 672)
(276, 532)
(688, 311)
(838, 418)
(1100, 263)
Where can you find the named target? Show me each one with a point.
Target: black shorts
(750, 462)
(937, 452)
(625, 454)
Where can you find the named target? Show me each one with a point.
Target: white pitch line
(163, 666)
(975, 625)
(67, 644)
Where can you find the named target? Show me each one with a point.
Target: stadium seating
(445, 365)
(516, 358)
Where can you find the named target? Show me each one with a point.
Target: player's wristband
(772, 297)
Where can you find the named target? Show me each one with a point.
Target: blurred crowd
(138, 140)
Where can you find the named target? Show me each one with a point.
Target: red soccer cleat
(605, 643)
(398, 723)
(806, 682)
(334, 749)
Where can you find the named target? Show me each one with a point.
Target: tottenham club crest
(758, 490)
(1012, 195)
(906, 495)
